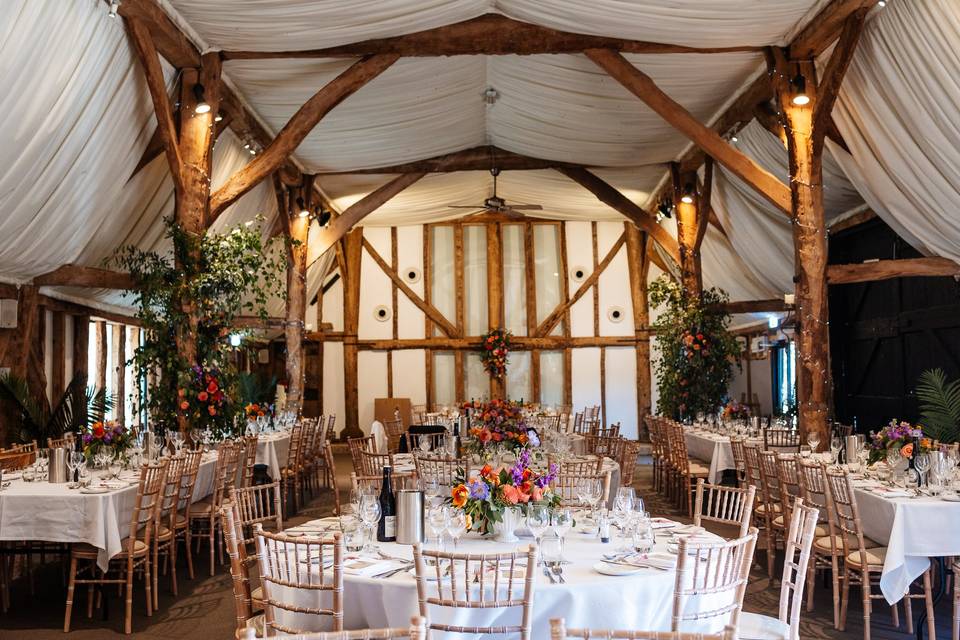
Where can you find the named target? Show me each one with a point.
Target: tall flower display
(203, 400)
(495, 351)
(498, 425)
(697, 352)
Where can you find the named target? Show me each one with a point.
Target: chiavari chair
(416, 631)
(357, 445)
(290, 564)
(419, 412)
(181, 524)
(827, 549)
(477, 581)
(164, 535)
(203, 514)
(257, 505)
(59, 443)
(290, 476)
(16, 460)
(569, 487)
(134, 550)
(559, 631)
(606, 432)
(440, 469)
(248, 459)
(955, 568)
(656, 450)
(578, 423)
(331, 468)
(762, 516)
(436, 441)
(783, 440)
(863, 563)
(772, 505)
(604, 446)
(240, 563)
(405, 480)
(739, 461)
(724, 505)
(628, 461)
(799, 541)
(687, 470)
(372, 464)
(578, 465)
(316, 466)
(311, 433)
(395, 433)
(718, 569)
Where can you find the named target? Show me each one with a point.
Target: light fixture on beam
(218, 117)
(114, 7)
(304, 212)
(202, 105)
(664, 210)
(689, 191)
(800, 97)
(491, 95)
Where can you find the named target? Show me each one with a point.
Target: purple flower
(87, 438)
(479, 490)
(107, 437)
(545, 480)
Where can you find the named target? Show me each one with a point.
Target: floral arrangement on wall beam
(495, 352)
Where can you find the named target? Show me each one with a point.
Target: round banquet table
(643, 600)
(272, 450)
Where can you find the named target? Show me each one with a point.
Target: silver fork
(558, 571)
(547, 573)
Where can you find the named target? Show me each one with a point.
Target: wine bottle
(458, 449)
(915, 435)
(78, 445)
(387, 527)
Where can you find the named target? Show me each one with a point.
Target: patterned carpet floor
(205, 611)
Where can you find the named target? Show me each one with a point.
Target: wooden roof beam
(642, 86)
(824, 28)
(491, 34)
(473, 159)
(297, 128)
(888, 269)
(609, 195)
(73, 275)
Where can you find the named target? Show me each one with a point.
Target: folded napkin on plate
(115, 484)
(658, 560)
(866, 484)
(370, 567)
(663, 523)
(689, 529)
(887, 492)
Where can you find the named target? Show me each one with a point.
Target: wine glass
(113, 467)
(370, 515)
(922, 464)
(894, 456)
(625, 498)
(438, 517)
(836, 445)
(562, 522)
(74, 460)
(424, 442)
(813, 439)
(538, 519)
(456, 525)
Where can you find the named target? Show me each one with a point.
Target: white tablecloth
(53, 513)
(713, 448)
(272, 450)
(588, 599)
(914, 531)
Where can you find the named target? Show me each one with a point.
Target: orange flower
(202, 396)
(907, 450)
(460, 494)
(212, 410)
(536, 494)
(212, 387)
(510, 494)
(181, 392)
(184, 405)
(696, 347)
(468, 521)
(487, 471)
(98, 430)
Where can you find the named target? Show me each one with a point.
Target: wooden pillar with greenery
(297, 218)
(638, 264)
(689, 211)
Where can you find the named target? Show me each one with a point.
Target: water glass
(562, 523)
(370, 515)
(643, 536)
(538, 519)
(353, 535)
(456, 525)
(437, 520)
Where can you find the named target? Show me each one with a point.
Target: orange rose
(460, 494)
(510, 494)
(536, 494)
(202, 396)
(184, 405)
(907, 450)
(487, 471)
(181, 392)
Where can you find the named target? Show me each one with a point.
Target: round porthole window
(615, 314)
(381, 313)
(412, 275)
(578, 273)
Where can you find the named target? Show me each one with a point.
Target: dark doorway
(884, 334)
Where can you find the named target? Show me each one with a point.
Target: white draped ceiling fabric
(78, 117)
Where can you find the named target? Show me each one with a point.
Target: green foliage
(697, 352)
(251, 389)
(939, 405)
(218, 276)
(72, 412)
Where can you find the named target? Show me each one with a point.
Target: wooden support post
(133, 341)
(495, 295)
(298, 228)
(459, 357)
(530, 288)
(686, 204)
(101, 346)
(351, 321)
(119, 379)
(639, 266)
(81, 346)
(565, 293)
(58, 356)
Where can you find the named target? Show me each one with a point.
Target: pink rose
(510, 494)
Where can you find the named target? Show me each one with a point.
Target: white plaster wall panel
(333, 305)
(615, 293)
(761, 383)
(580, 254)
(48, 352)
(379, 239)
(586, 377)
(410, 321)
(333, 382)
(371, 384)
(621, 379)
(375, 290)
(607, 234)
(68, 362)
(409, 375)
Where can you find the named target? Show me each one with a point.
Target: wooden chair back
(240, 563)
(751, 456)
(292, 465)
(288, 564)
(13, 461)
(395, 433)
(718, 569)
(188, 480)
(798, 545)
(611, 431)
(739, 459)
(847, 513)
(578, 465)
(372, 464)
(559, 631)
(578, 423)
(477, 581)
(60, 443)
(814, 491)
(604, 446)
(257, 505)
(436, 442)
(724, 505)
(225, 473)
(628, 461)
(440, 469)
(788, 480)
(170, 496)
(249, 459)
(781, 439)
(416, 631)
(357, 445)
(770, 482)
(146, 507)
(569, 486)
(406, 480)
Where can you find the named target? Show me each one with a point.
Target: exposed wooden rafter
(73, 275)
(611, 197)
(824, 28)
(428, 309)
(889, 269)
(756, 306)
(297, 128)
(642, 86)
(491, 34)
(829, 86)
(473, 159)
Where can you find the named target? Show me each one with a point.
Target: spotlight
(304, 212)
(733, 138)
(235, 339)
(491, 95)
(114, 6)
(800, 98)
(218, 117)
(882, 3)
(688, 193)
(202, 105)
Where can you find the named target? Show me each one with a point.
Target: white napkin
(887, 492)
(369, 567)
(663, 523)
(659, 560)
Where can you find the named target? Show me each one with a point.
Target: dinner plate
(609, 569)
(950, 497)
(94, 490)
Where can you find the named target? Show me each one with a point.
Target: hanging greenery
(218, 276)
(939, 405)
(495, 352)
(697, 352)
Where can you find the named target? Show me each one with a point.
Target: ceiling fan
(496, 204)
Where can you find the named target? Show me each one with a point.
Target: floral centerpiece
(256, 410)
(202, 398)
(108, 437)
(491, 500)
(498, 425)
(900, 435)
(733, 410)
(494, 352)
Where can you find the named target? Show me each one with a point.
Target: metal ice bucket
(58, 472)
(409, 516)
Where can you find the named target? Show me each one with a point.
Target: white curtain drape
(899, 113)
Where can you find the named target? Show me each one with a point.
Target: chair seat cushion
(88, 551)
(257, 596)
(201, 508)
(876, 556)
(754, 626)
(698, 468)
(257, 624)
(762, 508)
(823, 543)
(820, 531)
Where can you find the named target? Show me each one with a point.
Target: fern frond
(939, 405)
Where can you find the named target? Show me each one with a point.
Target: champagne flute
(922, 463)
